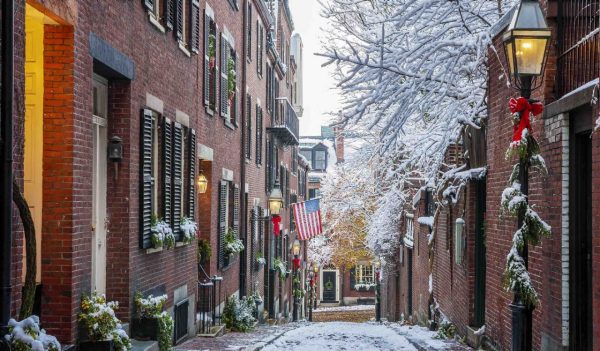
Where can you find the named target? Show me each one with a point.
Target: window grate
(181, 320)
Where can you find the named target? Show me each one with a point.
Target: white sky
(319, 97)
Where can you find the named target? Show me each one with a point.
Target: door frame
(337, 284)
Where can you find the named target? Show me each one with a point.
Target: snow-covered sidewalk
(358, 336)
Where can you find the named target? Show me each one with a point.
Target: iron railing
(284, 122)
(209, 307)
(578, 44)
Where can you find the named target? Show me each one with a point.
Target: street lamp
(526, 44)
(377, 291)
(296, 280)
(311, 277)
(275, 199)
(202, 183)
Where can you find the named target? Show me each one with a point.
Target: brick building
(467, 253)
(185, 88)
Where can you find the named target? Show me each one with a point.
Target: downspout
(6, 172)
(243, 210)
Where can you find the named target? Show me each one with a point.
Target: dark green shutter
(207, 21)
(177, 178)
(149, 4)
(195, 27)
(222, 221)
(179, 8)
(147, 180)
(248, 126)
(352, 277)
(259, 128)
(192, 173)
(224, 70)
(167, 165)
(254, 236)
(269, 166)
(169, 13)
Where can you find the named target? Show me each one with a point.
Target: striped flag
(307, 215)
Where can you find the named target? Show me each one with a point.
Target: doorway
(580, 231)
(409, 292)
(329, 287)
(99, 216)
(480, 263)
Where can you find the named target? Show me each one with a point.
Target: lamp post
(377, 291)
(296, 280)
(316, 274)
(311, 277)
(525, 44)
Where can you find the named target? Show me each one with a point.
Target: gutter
(6, 172)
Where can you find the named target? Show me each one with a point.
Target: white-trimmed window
(365, 274)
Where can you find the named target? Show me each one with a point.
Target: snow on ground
(345, 308)
(341, 336)
(425, 338)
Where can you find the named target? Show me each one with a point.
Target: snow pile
(428, 221)
(27, 335)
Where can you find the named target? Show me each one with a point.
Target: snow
(425, 338)
(346, 308)
(430, 283)
(426, 221)
(341, 336)
(583, 87)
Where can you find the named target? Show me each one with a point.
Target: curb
(261, 344)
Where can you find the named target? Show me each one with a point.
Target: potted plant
(231, 75)
(260, 260)
(233, 244)
(162, 234)
(281, 267)
(27, 335)
(145, 325)
(212, 51)
(101, 329)
(204, 251)
(188, 229)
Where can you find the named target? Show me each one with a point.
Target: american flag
(307, 215)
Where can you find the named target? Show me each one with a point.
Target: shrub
(238, 314)
(26, 335)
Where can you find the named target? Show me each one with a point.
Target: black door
(409, 293)
(480, 267)
(580, 240)
(329, 286)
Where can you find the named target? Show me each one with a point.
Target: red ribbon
(276, 220)
(296, 262)
(525, 109)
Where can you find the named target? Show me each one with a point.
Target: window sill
(248, 60)
(209, 111)
(151, 251)
(184, 49)
(229, 125)
(155, 22)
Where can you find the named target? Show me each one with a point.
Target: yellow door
(34, 121)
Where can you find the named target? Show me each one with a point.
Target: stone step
(149, 345)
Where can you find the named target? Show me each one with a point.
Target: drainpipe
(243, 210)
(6, 173)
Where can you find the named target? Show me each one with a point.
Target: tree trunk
(30, 251)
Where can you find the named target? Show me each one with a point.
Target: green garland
(165, 332)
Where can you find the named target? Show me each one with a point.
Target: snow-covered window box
(162, 234)
(364, 278)
(188, 230)
(233, 244)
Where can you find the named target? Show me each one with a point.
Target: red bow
(524, 108)
(276, 220)
(296, 262)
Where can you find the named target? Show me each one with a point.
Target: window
(259, 134)
(228, 217)
(248, 142)
(180, 18)
(430, 204)
(269, 83)
(210, 66)
(314, 193)
(234, 4)
(307, 154)
(364, 274)
(320, 162)
(249, 32)
(409, 223)
(260, 41)
(166, 140)
(228, 91)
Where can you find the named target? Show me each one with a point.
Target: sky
(319, 97)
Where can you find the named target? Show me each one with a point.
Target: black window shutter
(224, 70)
(233, 111)
(177, 179)
(195, 26)
(287, 186)
(258, 135)
(236, 211)
(149, 4)
(249, 31)
(169, 13)
(248, 126)
(222, 221)
(268, 167)
(254, 236)
(207, 21)
(352, 277)
(179, 19)
(147, 179)
(192, 173)
(167, 158)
